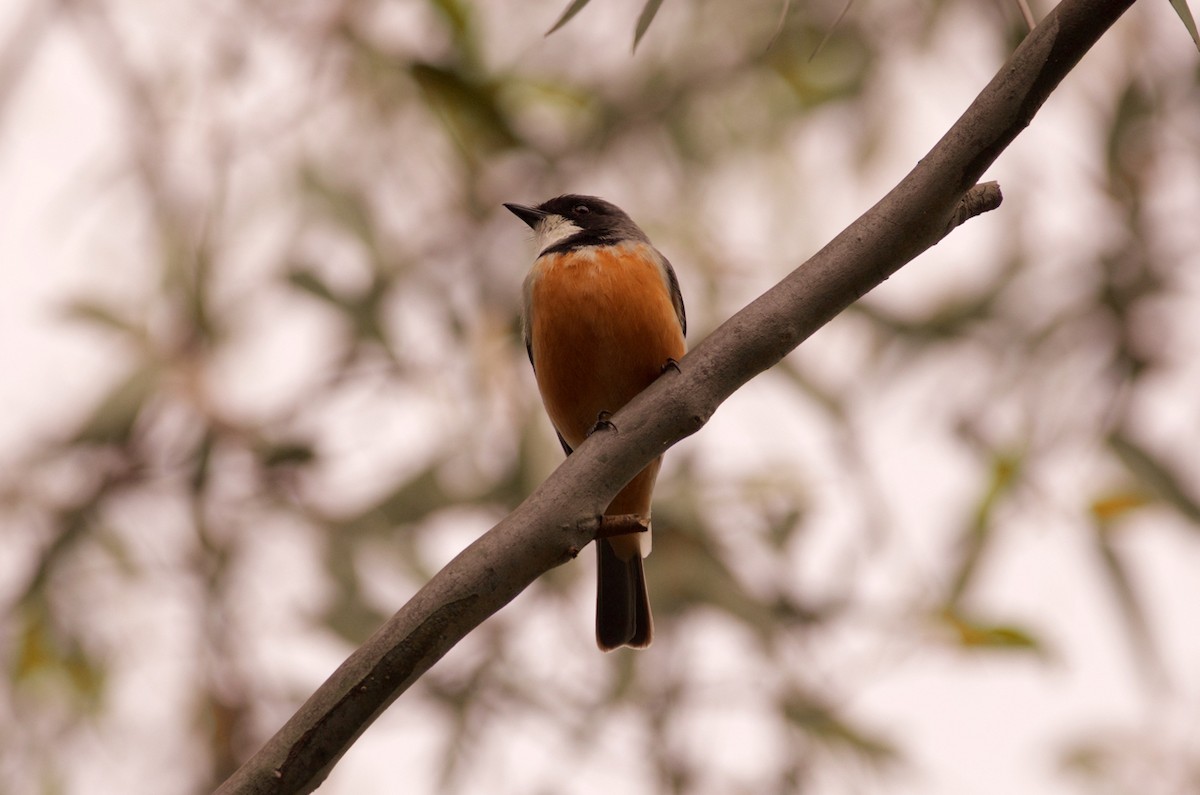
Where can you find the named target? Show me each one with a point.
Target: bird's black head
(572, 221)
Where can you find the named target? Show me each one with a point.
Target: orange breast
(601, 326)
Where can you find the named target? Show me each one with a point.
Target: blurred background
(262, 376)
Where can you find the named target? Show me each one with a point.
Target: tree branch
(564, 513)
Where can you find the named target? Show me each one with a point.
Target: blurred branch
(563, 514)
(18, 51)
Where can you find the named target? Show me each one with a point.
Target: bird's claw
(603, 423)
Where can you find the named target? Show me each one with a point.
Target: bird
(602, 318)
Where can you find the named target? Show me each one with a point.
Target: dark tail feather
(622, 609)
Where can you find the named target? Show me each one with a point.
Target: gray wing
(529, 352)
(676, 295)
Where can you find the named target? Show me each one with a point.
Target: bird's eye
(581, 209)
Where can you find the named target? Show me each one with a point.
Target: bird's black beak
(530, 215)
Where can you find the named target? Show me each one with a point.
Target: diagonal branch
(563, 514)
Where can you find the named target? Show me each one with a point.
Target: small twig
(980, 199)
(622, 525)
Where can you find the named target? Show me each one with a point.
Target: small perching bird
(603, 316)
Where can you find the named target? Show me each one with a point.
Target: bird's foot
(603, 423)
(622, 525)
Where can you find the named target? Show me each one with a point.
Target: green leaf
(643, 24)
(972, 633)
(1185, 14)
(1117, 503)
(647, 16)
(571, 10)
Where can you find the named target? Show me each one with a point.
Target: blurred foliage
(645, 18)
(317, 392)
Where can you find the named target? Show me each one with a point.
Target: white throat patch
(552, 230)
